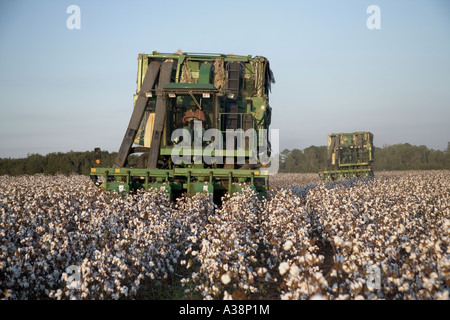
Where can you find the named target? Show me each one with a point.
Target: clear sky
(63, 89)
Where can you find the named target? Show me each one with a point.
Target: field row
(381, 238)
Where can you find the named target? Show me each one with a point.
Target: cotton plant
(381, 238)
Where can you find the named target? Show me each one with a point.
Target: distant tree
(34, 163)
(55, 163)
(293, 161)
(315, 158)
(410, 157)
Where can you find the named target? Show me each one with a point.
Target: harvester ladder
(138, 113)
(233, 77)
(160, 113)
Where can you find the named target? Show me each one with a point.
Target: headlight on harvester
(97, 155)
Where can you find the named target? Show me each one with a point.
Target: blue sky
(64, 89)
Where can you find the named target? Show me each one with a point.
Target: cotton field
(381, 238)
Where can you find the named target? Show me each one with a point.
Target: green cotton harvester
(349, 155)
(199, 124)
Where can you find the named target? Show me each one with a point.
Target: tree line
(55, 163)
(312, 159)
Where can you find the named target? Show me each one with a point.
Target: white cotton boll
(294, 271)
(261, 271)
(443, 295)
(347, 244)
(59, 294)
(337, 241)
(287, 296)
(227, 296)
(225, 278)
(288, 245)
(428, 284)
(404, 287)
(310, 258)
(283, 267)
